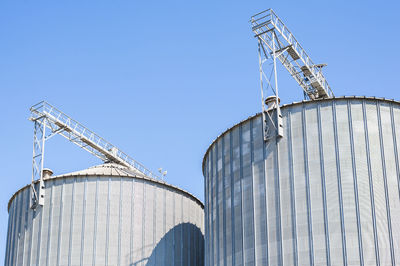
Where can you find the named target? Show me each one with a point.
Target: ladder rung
(260, 25)
(261, 33)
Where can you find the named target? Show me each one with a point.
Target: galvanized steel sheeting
(105, 220)
(326, 194)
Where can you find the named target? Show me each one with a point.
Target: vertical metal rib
(28, 232)
(252, 188)
(354, 172)
(154, 196)
(223, 197)
(396, 155)
(343, 231)
(83, 220)
(292, 193)
(154, 188)
(35, 242)
(50, 224)
(71, 225)
(12, 242)
(232, 197)
(307, 178)
(266, 197)
(20, 205)
(209, 208)
(60, 223)
(143, 218)
(278, 202)
(324, 201)
(8, 241)
(38, 253)
(132, 224)
(108, 221)
(189, 239)
(216, 201)
(206, 213)
(389, 220)
(241, 188)
(173, 233)
(165, 222)
(212, 208)
(96, 207)
(120, 220)
(39, 229)
(371, 185)
(181, 241)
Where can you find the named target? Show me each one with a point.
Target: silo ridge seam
(224, 197)
(71, 223)
(354, 172)
(217, 202)
(60, 223)
(389, 220)
(396, 155)
(323, 187)
(83, 221)
(241, 188)
(48, 244)
(371, 186)
(292, 191)
(120, 220)
(307, 181)
(232, 195)
(338, 173)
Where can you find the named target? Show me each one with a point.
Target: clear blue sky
(161, 79)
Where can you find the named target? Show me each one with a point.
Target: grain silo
(326, 193)
(105, 215)
(315, 182)
(116, 213)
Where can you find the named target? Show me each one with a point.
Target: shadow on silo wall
(182, 245)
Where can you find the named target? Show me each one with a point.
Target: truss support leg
(263, 111)
(278, 115)
(272, 118)
(39, 137)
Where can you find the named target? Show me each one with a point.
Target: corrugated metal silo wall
(105, 221)
(326, 194)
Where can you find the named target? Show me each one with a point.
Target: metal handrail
(88, 140)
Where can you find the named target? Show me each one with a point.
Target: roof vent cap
(47, 173)
(270, 102)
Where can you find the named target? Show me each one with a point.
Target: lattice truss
(39, 136)
(275, 41)
(47, 116)
(271, 112)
